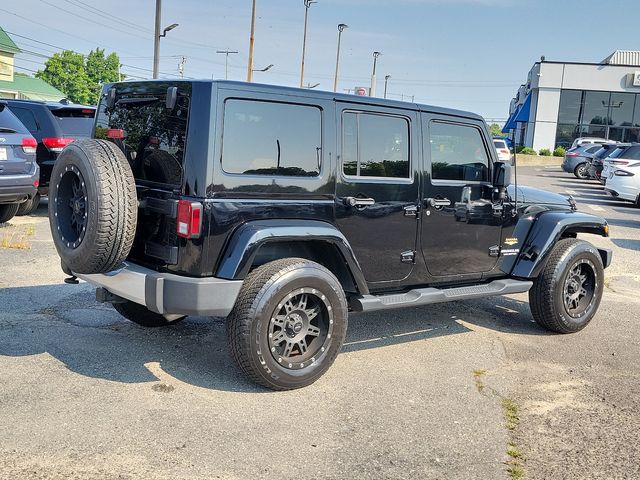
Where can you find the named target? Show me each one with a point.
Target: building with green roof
(20, 85)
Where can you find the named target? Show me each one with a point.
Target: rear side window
(375, 145)
(273, 139)
(458, 153)
(76, 122)
(26, 117)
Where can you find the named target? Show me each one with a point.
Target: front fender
(546, 229)
(245, 242)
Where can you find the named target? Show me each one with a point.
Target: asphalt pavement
(437, 392)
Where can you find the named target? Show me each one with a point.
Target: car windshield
(76, 122)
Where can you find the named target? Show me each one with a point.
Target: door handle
(358, 202)
(438, 202)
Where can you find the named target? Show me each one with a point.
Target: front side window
(458, 153)
(375, 145)
(274, 139)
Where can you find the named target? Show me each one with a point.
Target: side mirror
(501, 175)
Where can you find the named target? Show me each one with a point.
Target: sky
(465, 54)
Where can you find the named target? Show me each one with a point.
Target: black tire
(555, 299)
(26, 208)
(142, 315)
(581, 171)
(93, 206)
(8, 211)
(262, 317)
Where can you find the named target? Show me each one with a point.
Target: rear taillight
(29, 145)
(115, 133)
(189, 218)
(504, 150)
(619, 162)
(56, 144)
(571, 154)
(622, 173)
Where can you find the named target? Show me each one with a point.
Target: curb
(537, 160)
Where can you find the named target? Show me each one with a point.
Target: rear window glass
(593, 149)
(25, 118)
(76, 122)
(268, 138)
(630, 153)
(499, 144)
(154, 136)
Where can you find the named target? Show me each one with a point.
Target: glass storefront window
(621, 108)
(570, 104)
(596, 108)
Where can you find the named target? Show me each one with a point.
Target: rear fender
(247, 241)
(549, 227)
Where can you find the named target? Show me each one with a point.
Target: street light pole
(341, 28)
(386, 80)
(372, 91)
(307, 5)
(156, 40)
(251, 41)
(226, 61)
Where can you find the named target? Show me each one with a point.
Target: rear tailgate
(17, 153)
(152, 135)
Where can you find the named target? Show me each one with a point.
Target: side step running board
(426, 296)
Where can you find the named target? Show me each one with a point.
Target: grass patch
(30, 231)
(477, 376)
(514, 464)
(516, 472)
(15, 240)
(510, 413)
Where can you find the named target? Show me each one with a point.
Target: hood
(536, 196)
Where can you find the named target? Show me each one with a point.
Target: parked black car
(282, 209)
(54, 125)
(594, 169)
(18, 168)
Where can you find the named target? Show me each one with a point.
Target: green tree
(496, 130)
(78, 77)
(100, 69)
(66, 72)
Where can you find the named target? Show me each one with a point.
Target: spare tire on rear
(93, 206)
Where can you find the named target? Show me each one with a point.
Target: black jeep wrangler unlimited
(282, 209)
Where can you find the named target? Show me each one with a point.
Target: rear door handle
(438, 202)
(358, 202)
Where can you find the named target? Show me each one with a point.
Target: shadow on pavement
(626, 243)
(93, 340)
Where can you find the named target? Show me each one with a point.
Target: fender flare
(245, 242)
(547, 228)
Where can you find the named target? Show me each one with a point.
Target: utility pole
(341, 28)
(307, 5)
(251, 41)
(156, 40)
(386, 80)
(183, 60)
(372, 92)
(226, 61)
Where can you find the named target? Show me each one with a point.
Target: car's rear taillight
(622, 173)
(504, 150)
(56, 144)
(189, 219)
(29, 145)
(619, 162)
(115, 133)
(571, 154)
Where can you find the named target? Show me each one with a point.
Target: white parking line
(596, 208)
(571, 192)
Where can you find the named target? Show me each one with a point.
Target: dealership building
(562, 101)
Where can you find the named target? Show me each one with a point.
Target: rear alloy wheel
(581, 171)
(8, 211)
(288, 323)
(28, 207)
(566, 295)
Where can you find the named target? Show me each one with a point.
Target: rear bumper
(18, 188)
(166, 293)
